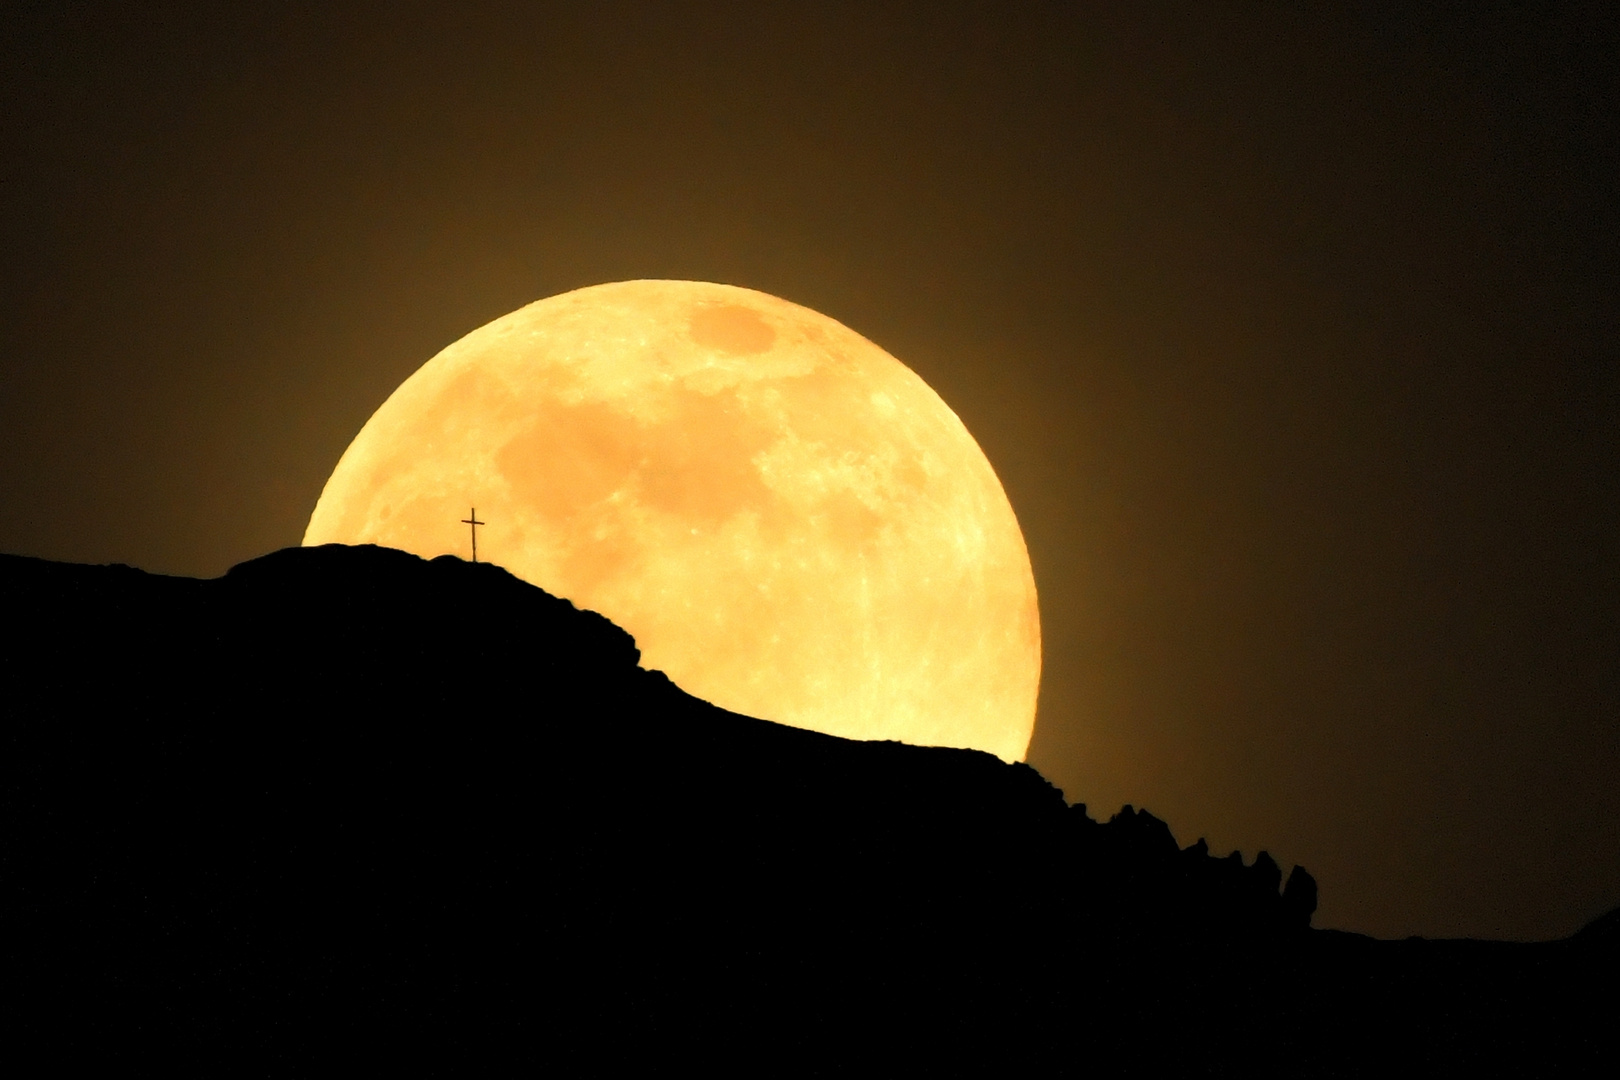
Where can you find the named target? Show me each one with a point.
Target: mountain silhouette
(345, 810)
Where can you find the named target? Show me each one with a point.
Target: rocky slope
(347, 809)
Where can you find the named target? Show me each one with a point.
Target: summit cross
(472, 519)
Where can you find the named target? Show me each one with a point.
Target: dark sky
(1291, 330)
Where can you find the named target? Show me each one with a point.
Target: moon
(788, 520)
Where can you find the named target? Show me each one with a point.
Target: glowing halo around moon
(788, 520)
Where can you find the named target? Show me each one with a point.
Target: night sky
(1291, 330)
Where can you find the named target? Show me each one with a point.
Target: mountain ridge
(346, 801)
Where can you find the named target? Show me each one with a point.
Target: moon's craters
(695, 463)
(731, 328)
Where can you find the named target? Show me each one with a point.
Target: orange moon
(789, 521)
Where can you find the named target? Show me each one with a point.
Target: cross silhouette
(472, 519)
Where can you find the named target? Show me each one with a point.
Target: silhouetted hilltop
(344, 808)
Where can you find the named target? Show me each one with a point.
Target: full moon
(788, 520)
